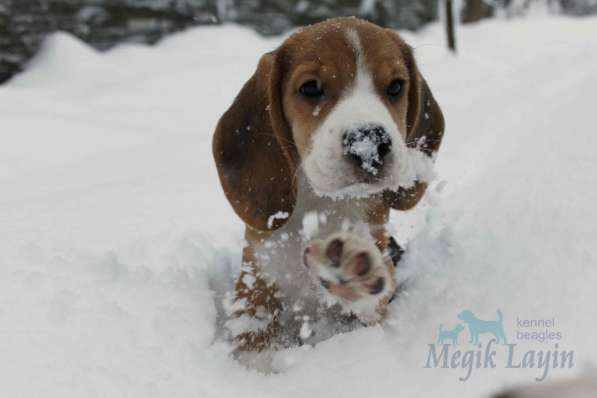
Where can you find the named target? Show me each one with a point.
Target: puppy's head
(343, 100)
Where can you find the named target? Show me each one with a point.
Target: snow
(305, 331)
(118, 248)
(365, 144)
(245, 323)
(280, 215)
(311, 224)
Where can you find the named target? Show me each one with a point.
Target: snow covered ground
(117, 244)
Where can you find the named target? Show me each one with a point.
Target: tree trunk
(451, 35)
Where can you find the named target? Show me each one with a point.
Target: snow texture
(280, 215)
(118, 250)
(366, 148)
(310, 224)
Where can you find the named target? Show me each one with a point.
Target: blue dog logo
(477, 327)
(450, 334)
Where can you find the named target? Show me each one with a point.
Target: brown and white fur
(281, 163)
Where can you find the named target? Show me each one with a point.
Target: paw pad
(334, 251)
(348, 267)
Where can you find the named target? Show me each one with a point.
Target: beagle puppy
(335, 128)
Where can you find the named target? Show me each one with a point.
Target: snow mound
(64, 59)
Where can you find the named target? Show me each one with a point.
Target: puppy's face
(345, 98)
(344, 101)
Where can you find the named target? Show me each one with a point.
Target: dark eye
(311, 88)
(394, 88)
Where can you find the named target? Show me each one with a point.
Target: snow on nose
(366, 147)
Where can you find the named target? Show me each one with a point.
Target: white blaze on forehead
(363, 81)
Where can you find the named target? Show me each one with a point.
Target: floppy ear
(254, 152)
(425, 124)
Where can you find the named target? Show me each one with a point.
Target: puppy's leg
(257, 307)
(355, 271)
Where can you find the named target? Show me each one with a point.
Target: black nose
(367, 147)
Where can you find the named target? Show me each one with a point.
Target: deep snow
(117, 244)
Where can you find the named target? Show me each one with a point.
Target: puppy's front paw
(354, 271)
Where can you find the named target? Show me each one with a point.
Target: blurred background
(104, 23)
